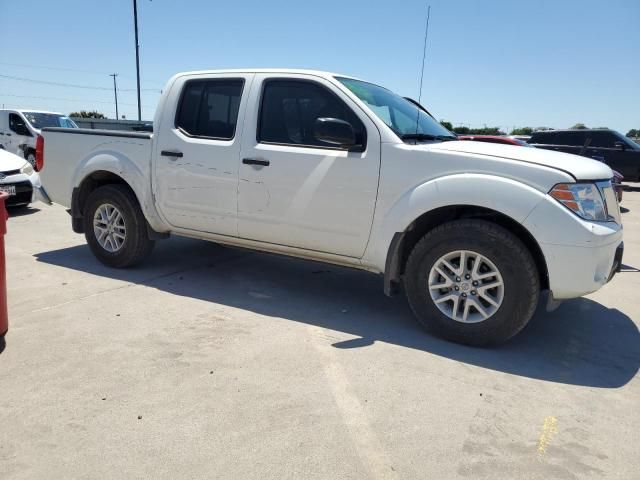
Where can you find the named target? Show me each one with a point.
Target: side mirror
(335, 131)
(620, 146)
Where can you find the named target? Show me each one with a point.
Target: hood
(10, 161)
(580, 168)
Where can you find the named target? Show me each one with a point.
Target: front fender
(507, 196)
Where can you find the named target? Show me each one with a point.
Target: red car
(494, 139)
(617, 176)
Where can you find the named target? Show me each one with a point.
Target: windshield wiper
(426, 136)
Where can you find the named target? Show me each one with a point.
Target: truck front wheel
(472, 282)
(115, 227)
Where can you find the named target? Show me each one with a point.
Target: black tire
(136, 246)
(508, 254)
(30, 157)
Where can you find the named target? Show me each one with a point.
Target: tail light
(39, 153)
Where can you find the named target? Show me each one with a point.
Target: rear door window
(574, 139)
(545, 138)
(209, 108)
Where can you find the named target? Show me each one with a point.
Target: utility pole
(115, 93)
(135, 23)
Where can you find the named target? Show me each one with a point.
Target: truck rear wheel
(472, 281)
(115, 227)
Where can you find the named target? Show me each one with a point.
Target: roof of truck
(319, 73)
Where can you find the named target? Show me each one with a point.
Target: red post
(4, 314)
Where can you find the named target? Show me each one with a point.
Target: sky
(489, 62)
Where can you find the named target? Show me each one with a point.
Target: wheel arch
(403, 242)
(89, 184)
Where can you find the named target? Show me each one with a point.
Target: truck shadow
(581, 343)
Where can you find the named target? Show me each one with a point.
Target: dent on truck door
(295, 190)
(197, 154)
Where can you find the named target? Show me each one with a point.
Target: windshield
(403, 117)
(40, 120)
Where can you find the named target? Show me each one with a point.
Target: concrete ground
(211, 362)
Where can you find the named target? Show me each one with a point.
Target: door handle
(169, 153)
(255, 161)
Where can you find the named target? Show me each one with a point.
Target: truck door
(196, 152)
(296, 190)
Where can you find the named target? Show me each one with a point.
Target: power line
(71, 100)
(67, 69)
(87, 87)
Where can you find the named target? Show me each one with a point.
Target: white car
(19, 179)
(331, 168)
(20, 128)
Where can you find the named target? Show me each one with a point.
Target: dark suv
(608, 146)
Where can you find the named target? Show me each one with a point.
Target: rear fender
(119, 164)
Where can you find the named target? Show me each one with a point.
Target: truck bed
(70, 154)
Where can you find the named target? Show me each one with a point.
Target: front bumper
(577, 271)
(28, 190)
(580, 255)
(23, 195)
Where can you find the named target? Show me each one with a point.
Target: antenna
(424, 55)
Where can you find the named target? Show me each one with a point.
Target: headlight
(27, 169)
(583, 199)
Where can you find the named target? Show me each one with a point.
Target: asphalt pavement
(214, 362)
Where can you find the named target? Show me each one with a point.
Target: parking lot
(213, 362)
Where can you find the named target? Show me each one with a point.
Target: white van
(20, 128)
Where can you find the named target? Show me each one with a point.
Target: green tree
(522, 131)
(633, 133)
(446, 125)
(486, 131)
(87, 114)
(579, 126)
(478, 131)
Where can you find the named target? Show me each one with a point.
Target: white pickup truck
(332, 168)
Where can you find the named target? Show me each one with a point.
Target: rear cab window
(209, 108)
(544, 138)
